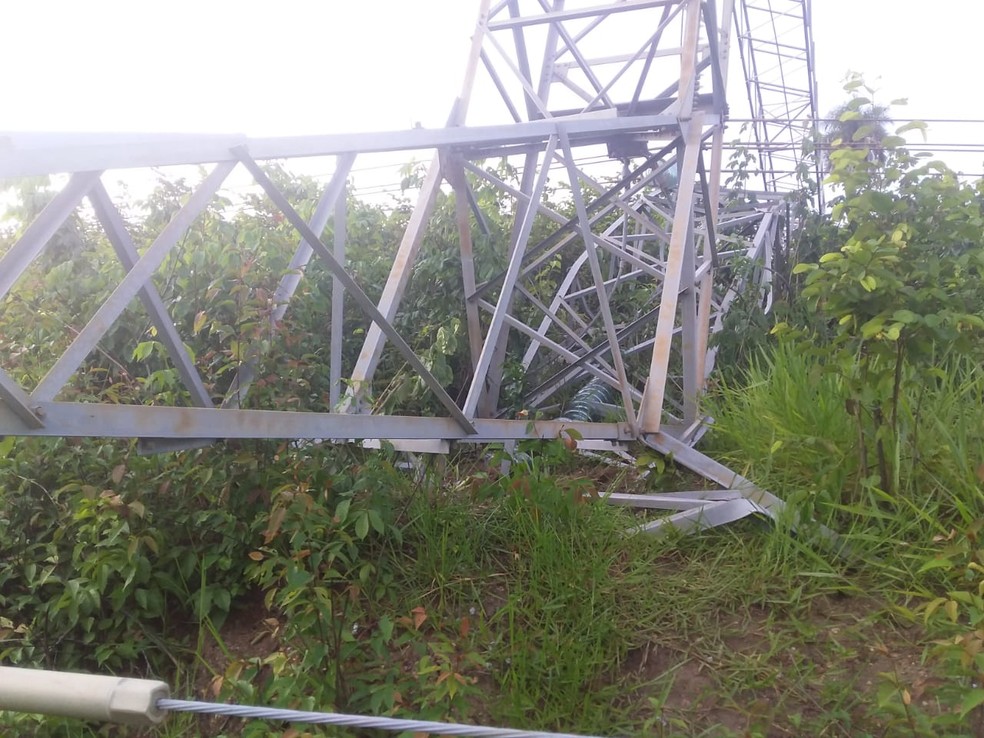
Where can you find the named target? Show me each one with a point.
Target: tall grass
(559, 592)
(564, 598)
(785, 424)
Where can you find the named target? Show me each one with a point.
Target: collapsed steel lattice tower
(626, 102)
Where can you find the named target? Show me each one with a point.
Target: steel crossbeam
(617, 103)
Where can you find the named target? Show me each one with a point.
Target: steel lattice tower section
(775, 41)
(624, 102)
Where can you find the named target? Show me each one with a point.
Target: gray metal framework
(775, 41)
(648, 220)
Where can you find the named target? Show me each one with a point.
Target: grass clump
(789, 426)
(560, 595)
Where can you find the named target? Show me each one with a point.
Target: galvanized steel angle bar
(73, 155)
(498, 8)
(126, 252)
(583, 65)
(410, 244)
(669, 13)
(37, 235)
(649, 48)
(547, 64)
(327, 203)
(613, 201)
(563, 78)
(573, 14)
(685, 501)
(132, 421)
(500, 87)
(352, 287)
(609, 283)
(635, 259)
(489, 390)
(682, 216)
(690, 67)
(516, 193)
(396, 282)
(689, 336)
(719, 83)
(523, 62)
(569, 356)
(455, 173)
(130, 285)
(19, 401)
(708, 216)
(509, 281)
(534, 104)
(762, 501)
(337, 339)
(548, 387)
(708, 515)
(568, 225)
(555, 305)
(535, 302)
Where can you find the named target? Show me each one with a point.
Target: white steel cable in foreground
(145, 702)
(395, 725)
(82, 696)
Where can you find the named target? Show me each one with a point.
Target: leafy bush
(112, 560)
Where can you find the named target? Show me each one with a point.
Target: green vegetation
(331, 577)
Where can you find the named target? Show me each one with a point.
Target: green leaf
(933, 607)
(941, 563)
(200, 320)
(862, 132)
(972, 699)
(362, 525)
(965, 597)
(442, 342)
(915, 125)
(377, 521)
(143, 350)
(878, 201)
(801, 268)
(386, 627)
(832, 256)
(872, 328)
(341, 512)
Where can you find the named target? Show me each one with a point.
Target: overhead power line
(893, 119)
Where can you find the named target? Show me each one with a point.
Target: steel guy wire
(395, 725)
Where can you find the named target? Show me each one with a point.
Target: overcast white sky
(306, 66)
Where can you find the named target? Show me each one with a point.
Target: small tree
(906, 287)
